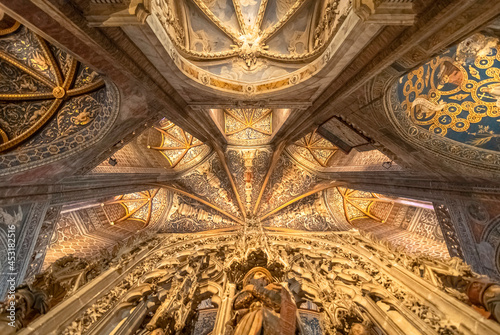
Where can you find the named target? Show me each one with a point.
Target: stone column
(457, 234)
(134, 320)
(378, 316)
(224, 314)
(47, 229)
(19, 228)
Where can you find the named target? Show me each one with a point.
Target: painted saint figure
(264, 308)
(448, 76)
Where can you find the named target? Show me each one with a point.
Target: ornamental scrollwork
(351, 279)
(51, 105)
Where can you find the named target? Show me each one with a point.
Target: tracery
(258, 281)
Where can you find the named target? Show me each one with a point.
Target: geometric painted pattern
(51, 105)
(179, 147)
(314, 148)
(138, 206)
(43, 77)
(248, 124)
(357, 204)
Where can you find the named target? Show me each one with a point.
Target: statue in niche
(359, 329)
(264, 307)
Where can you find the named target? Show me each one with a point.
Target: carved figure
(263, 307)
(359, 329)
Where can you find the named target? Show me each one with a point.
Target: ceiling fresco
(248, 184)
(311, 213)
(134, 157)
(139, 206)
(210, 182)
(314, 148)
(245, 186)
(248, 126)
(357, 204)
(336, 208)
(51, 105)
(290, 102)
(91, 231)
(248, 181)
(187, 215)
(181, 149)
(232, 45)
(452, 102)
(287, 181)
(248, 168)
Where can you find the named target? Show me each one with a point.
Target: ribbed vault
(286, 187)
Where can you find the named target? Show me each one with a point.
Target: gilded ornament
(180, 148)
(248, 126)
(455, 94)
(59, 92)
(314, 148)
(46, 72)
(246, 41)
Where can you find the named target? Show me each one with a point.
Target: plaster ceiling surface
(248, 126)
(248, 46)
(138, 206)
(180, 148)
(249, 181)
(281, 186)
(314, 148)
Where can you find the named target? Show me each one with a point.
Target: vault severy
(284, 187)
(248, 47)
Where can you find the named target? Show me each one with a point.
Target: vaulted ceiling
(250, 186)
(252, 40)
(246, 181)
